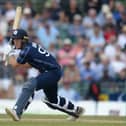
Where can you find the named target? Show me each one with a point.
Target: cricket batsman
(30, 54)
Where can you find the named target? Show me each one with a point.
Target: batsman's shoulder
(25, 51)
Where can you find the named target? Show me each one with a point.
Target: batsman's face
(18, 43)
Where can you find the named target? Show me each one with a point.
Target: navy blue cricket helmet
(19, 34)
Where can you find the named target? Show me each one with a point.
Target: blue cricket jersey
(37, 57)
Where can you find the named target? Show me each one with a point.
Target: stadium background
(88, 38)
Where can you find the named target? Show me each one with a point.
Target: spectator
(71, 73)
(111, 4)
(6, 87)
(62, 25)
(86, 72)
(120, 23)
(97, 40)
(106, 67)
(101, 17)
(66, 54)
(117, 64)
(119, 8)
(94, 91)
(122, 38)
(69, 92)
(71, 77)
(9, 13)
(109, 19)
(3, 25)
(80, 44)
(29, 4)
(53, 50)
(89, 20)
(109, 32)
(111, 46)
(76, 29)
(121, 76)
(97, 67)
(47, 33)
(46, 13)
(95, 4)
(72, 10)
(55, 10)
(81, 54)
(27, 20)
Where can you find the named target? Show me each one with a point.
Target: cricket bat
(15, 26)
(17, 17)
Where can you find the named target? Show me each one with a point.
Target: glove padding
(14, 52)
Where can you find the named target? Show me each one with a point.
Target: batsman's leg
(23, 100)
(62, 104)
(48, 82)
(29, 102)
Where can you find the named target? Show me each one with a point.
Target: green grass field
(58, 120)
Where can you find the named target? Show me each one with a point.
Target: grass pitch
(60, 120)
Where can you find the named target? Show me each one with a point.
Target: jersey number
(43, 51)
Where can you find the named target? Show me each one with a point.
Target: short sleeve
(23, 56)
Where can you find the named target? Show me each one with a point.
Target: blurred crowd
(88, 41)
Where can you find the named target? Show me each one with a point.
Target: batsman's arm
(12, 59)
(13, 62)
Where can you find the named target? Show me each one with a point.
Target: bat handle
(5, 59)
(6, 63)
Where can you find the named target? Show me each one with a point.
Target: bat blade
(17, 17)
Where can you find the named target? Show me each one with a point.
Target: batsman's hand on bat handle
(13, 52)
(7, 52)
(6, 58)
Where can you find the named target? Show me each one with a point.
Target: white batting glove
(14, 52)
